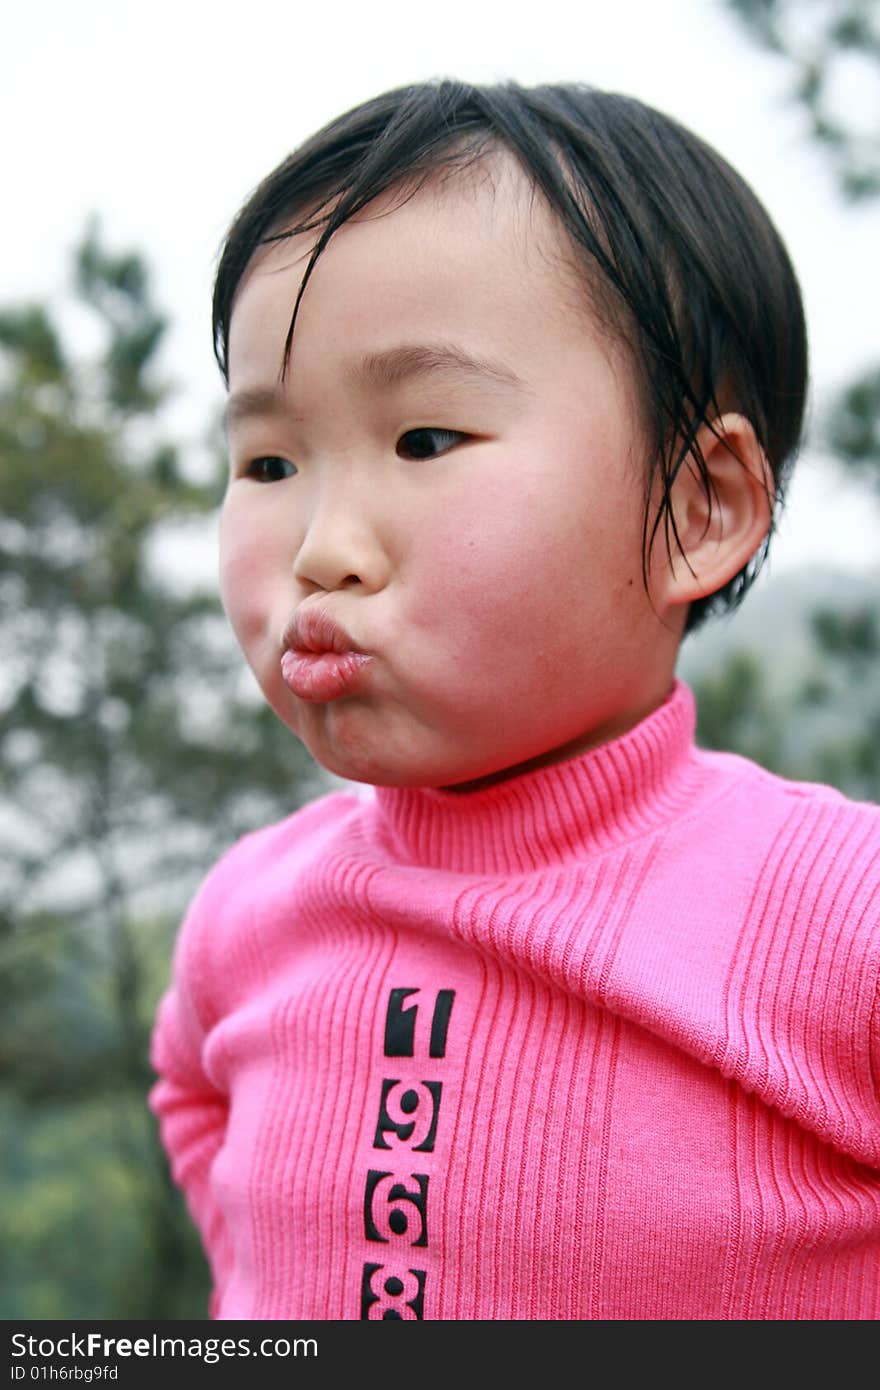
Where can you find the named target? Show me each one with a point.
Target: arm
(192, 1115)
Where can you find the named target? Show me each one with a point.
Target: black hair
(682, 255)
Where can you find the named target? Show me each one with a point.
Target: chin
(387, 754)
(359, 765)
(380, 770)
(379, 774)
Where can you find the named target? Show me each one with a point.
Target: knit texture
(598, 1042)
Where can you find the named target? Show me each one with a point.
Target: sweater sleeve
(192, 1111)
(214, 953)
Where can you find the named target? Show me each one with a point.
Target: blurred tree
(736, 712)
(831, 730)
(808, 710)
(131, 756)
(832, 49)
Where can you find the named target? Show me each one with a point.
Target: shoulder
(824, 861)
(283, 844)
(805, 857)
(769, 793)
(843, 834)
(255, 881)
(288, 841)
(801, 953)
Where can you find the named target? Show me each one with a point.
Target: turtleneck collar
(557, 812)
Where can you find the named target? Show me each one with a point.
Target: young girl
(566, 1018)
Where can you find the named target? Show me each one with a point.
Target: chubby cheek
(246, 579)
(528, 600)
(489, 591)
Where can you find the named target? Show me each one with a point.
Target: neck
(555, 811)
(602, 733)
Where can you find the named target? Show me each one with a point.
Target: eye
(269, 469)
(428, 442)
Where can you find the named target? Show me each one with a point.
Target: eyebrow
(390, 367)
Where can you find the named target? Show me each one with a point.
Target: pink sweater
(597, 1042)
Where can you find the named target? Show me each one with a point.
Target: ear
(717, 543)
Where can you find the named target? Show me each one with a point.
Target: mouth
(313, 630)
(319, 661)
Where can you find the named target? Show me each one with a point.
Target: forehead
(487, 204)
(474, 254)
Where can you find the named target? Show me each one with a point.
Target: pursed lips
(319, 661)
(313, 630)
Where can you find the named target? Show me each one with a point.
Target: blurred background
(134, 747)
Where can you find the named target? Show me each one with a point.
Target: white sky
(161, 118)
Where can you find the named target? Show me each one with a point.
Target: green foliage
(130, 759)
(89, 1225)
(30, 336)
(736, 713)
(854, 426)
(828, 728)
(825, 727)
(825, 43)
(829, 47)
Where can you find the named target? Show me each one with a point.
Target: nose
(341, 546)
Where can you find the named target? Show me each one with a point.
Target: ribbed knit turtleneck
(557, 812)
(595, 1041)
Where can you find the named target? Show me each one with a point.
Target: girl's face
(477, 532)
